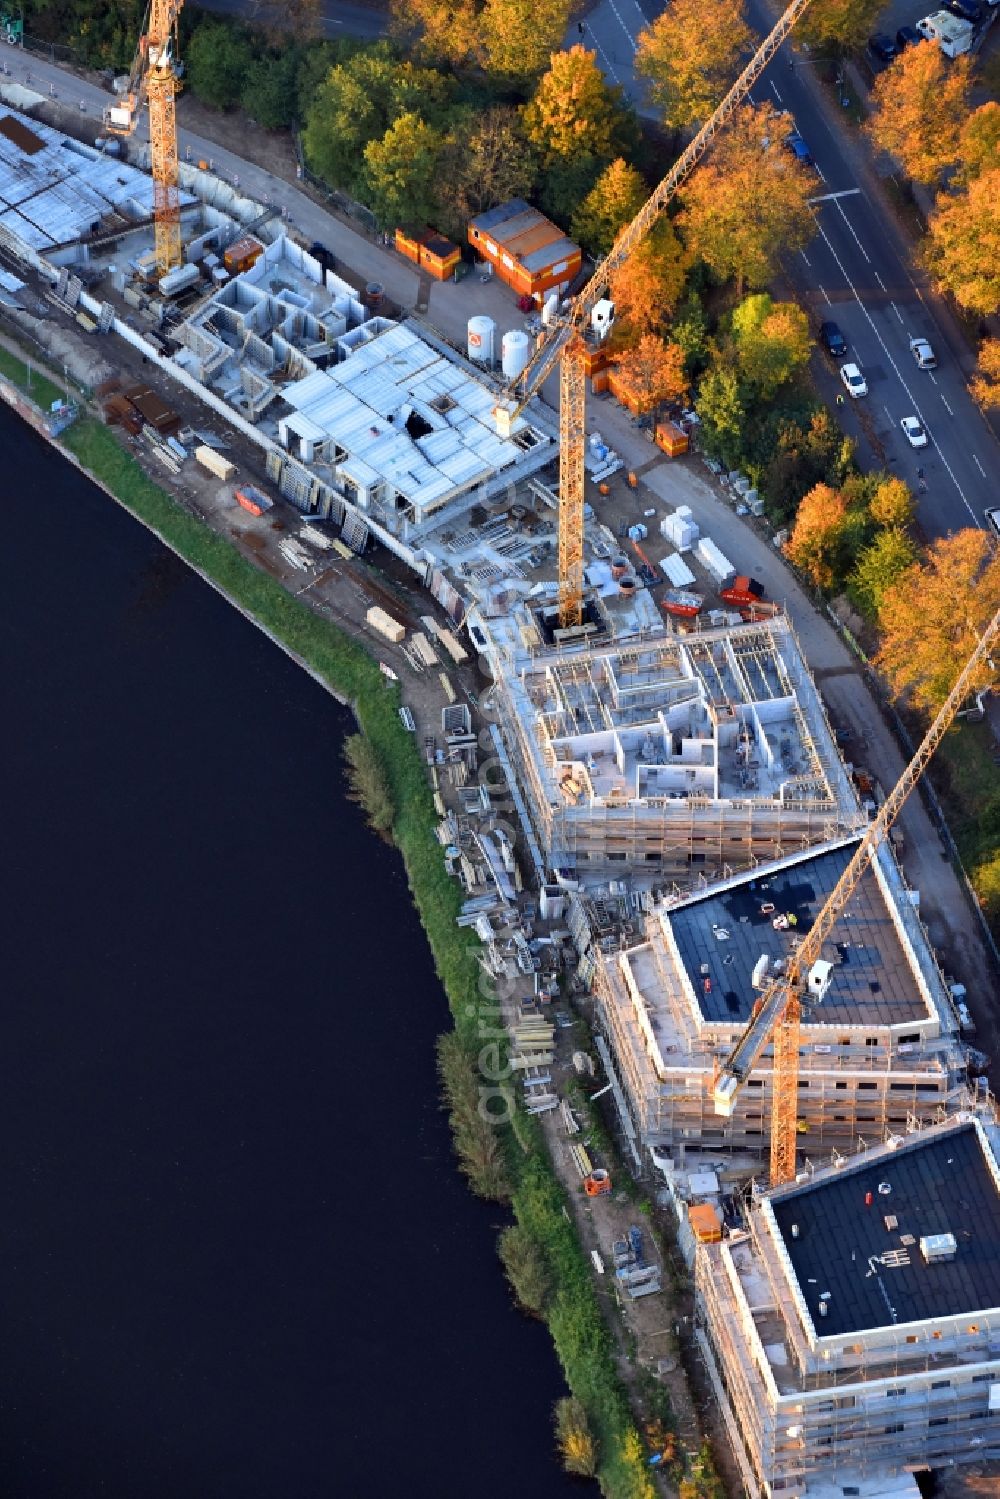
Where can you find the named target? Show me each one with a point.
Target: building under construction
(661, 757)
(853, 1331)
(882, 1048)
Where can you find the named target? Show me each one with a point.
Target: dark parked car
(907, 36)
(966, 10)
(832, 340)
(882, 47)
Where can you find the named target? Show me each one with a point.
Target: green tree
(748, 202)
(964, 244)
(613, 202)
(839, 23)
(486, 161)
(574, 115)
(803, 456)
(219, 57)
(772, 341)
(720, 407)
(921, 104)
(564, 183)
(402, 172)
(268, 94)
(519, 36)
(879, 566)
(931, 618)
(368, 784)
(527, 1270)
(689, 329)
(689, 56)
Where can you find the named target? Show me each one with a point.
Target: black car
(966, 10)
(907, 36)
(883, 47)
(832, 340)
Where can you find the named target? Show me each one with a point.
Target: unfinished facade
(854, 1330)
(881, 1050)
(383, 414)
(662, 757)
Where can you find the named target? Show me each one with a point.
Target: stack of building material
(215, 462)
(677, 570)
(423, 648)
(679, 529)
(715, 562)
(531, 1042)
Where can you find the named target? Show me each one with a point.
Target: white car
(855, 381)
(924, 355)
(914, 432)
(992, 518)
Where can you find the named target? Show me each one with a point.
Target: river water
(235, 1256)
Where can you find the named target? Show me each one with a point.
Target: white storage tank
(515, 352)
(481, 334)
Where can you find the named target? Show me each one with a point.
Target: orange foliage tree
(647, 288)
(964, 244)
(932, 617)
(985, 385)
(921, 103)
(748, 202)
(689, 55)
(653, 371)
(818, 538)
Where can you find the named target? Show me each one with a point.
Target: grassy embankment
(521, 1175)
(968, 780)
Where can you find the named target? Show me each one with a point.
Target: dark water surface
(235, 1257)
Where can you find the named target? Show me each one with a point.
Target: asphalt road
(857, 273)
(338, 19)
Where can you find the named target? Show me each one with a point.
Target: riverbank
(343, 667)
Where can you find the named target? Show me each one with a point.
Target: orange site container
(706, 1223)
(673, 440)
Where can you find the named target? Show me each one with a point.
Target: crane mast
(778, 1011)
(565, 342)
(154, 77)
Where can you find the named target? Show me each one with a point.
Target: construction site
(688, 861)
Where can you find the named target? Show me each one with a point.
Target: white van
(952, 34)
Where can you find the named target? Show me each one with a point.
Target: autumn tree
(652, 371)
(979, 142)
(771, 340)
(749, 201)
(646, 289)
(891, 506)
(964, 244)
(880, 565)
(921, 104)
(985, 385)
(574, 115)
(689, 57)
(574, 1439)
(486, 161)
(438, 31)
(613, 202)
(402, 172)
(931, 618)
(819, 539)
(519, 36)
(839, 23)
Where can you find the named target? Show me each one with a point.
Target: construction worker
(840, 399)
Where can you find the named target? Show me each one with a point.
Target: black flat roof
(872, 984)
(938, 1186)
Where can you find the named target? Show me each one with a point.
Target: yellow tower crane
(778, 1010)
(565, 345)
(154, 77)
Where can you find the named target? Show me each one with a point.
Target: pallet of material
(386, 626)
(214, 462)
(457, 652)
(581, 1160)
(423, 648)
(449, 690)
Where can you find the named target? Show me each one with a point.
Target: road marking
(774, 87)
(805, 257)
(896, 311)
(850, 226)
(819, 172)
(828, 302)
(947, 408)
(622, 25)
(979, 465)
(888, 355)
(933, 377)
(881, 283)
(848, 192)
(609, 66)
(888, 414)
